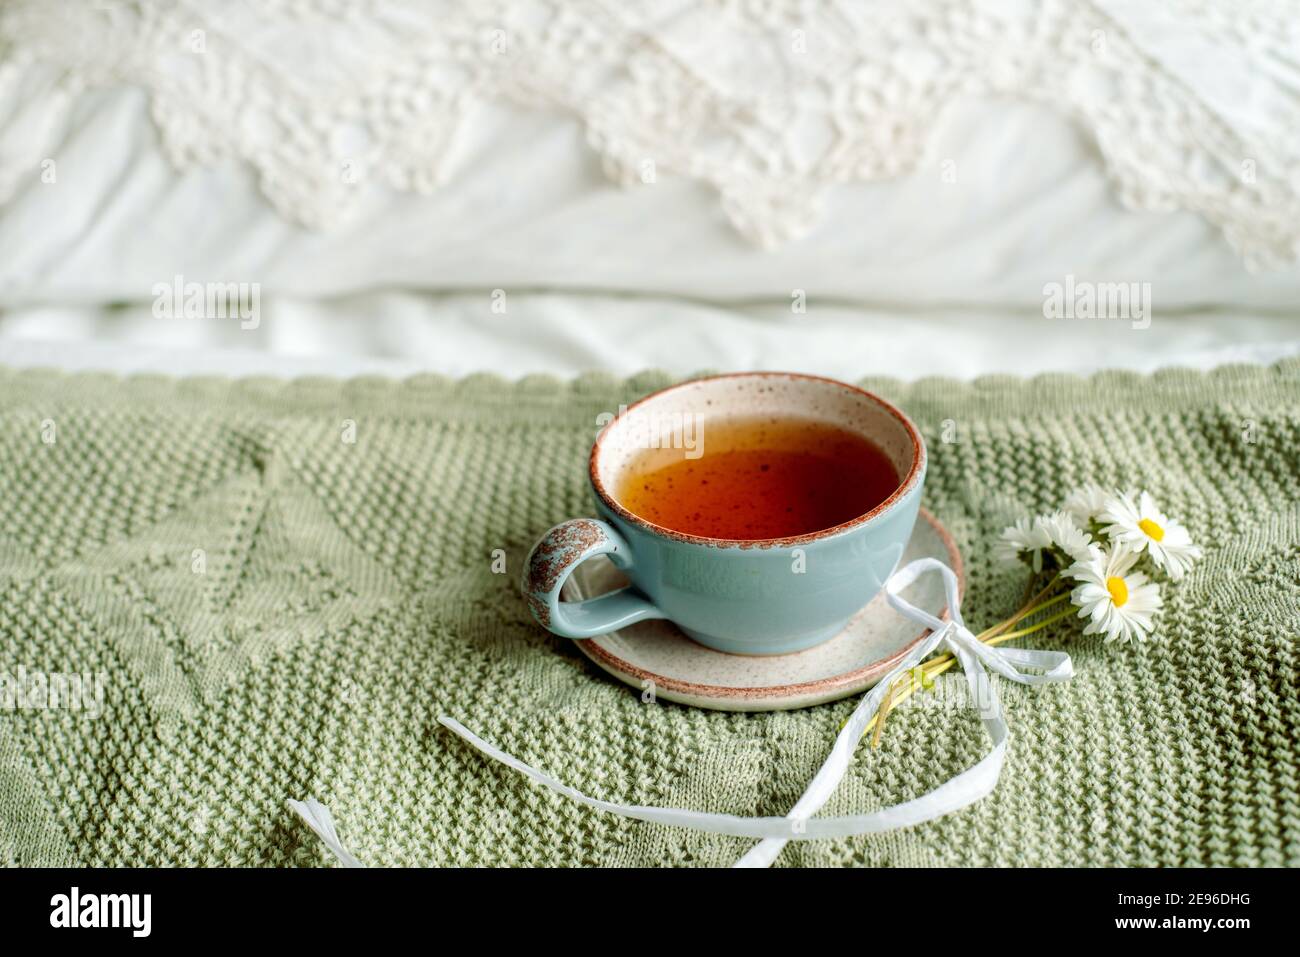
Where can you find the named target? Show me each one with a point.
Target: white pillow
(1010, 192)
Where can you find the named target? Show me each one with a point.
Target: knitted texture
(285, 584)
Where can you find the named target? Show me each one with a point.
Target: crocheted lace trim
(1192, 105)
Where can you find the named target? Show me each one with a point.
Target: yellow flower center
(1118, 590)
(1152, 529)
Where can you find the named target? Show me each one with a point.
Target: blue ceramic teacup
(746, 597)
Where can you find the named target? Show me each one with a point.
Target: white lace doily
(1192, 104)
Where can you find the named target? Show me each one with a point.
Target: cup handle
(553, 560)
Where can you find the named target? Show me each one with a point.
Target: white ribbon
(799, 825)
(972, 784)
(320, 820)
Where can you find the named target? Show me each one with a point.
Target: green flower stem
(1036, 626)
(1028, 608)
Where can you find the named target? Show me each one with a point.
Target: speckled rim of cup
(826, 689)
(905, 484)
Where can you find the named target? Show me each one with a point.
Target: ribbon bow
(972, 784)
(964, 789)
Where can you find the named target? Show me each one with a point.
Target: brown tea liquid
(759, 478)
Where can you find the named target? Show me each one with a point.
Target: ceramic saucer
(686, 672)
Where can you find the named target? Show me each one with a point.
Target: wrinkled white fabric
(566, 334)
(119, 175)
(770, 104)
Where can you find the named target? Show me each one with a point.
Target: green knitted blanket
(278, 587)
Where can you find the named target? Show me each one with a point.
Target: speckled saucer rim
(822, 689)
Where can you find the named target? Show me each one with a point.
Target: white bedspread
(565, 334)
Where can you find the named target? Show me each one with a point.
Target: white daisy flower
(1067, 536)
(1141, 525)
(1083, 504)
(1118, 602)
(1027, 536)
